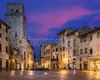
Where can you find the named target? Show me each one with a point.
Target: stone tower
(15, 18)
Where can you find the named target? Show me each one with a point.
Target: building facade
(4, 45)
(72, 43)
(94, 50)
(15, 18)
(54, 57)
(63, 54)
(84, 41)
(48, 58)
(42, 55)
(29, 59)
(71, 56)
(15, 59)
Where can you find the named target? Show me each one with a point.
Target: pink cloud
(57, 18)
(97, 0)
(97, 17)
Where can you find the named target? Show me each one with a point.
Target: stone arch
(13, 64)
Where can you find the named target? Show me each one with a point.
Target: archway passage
(13, 64)
(0, 64)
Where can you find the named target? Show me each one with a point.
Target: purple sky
(47, 17)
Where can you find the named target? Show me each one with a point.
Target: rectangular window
(91, 38)
(68, 43)
(47, 51)
(84, 39)
(63, 55)
(80, 59)
(60, 49)
(15, 34)
(6, 49)
(81, 51)
(0, 25)
(91, 51)
(74, 52)
(81, 39)
(74, 42)
(63, 48)
(0, 47)
(6, 38)
(98, 35)
(56, 49)
(0, 35)
(85, 50)
(53, 50)
(68, 52)
(7, 30)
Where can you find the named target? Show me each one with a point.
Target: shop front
(94, 64)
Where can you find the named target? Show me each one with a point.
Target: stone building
(29, 59)
(15, 18)
(72, 48)
(54, 57)
(63, 55)
(4, 45)
(46, 55)
(83, 53)
(91, 50)
(42, 55)
(94, 51)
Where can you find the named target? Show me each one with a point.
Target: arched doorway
(13, 64)
(0, 64)
(85, 65)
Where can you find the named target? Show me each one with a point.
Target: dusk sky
(45, 18)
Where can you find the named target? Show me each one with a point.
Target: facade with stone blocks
(4, 45)
(15, 18)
